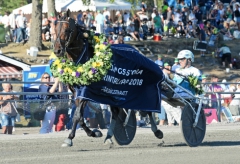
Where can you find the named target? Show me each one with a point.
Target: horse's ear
(68, 13)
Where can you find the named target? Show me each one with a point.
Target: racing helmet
(186, 54)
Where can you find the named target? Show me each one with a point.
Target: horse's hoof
(158, 134)
(108, 141)
(97, 133)
(67, 143)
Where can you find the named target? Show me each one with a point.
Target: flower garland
(91, 71)
(195, 84)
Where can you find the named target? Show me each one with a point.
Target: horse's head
(66, 32)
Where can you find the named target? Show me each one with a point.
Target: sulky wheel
(124, 135)
(193, 135)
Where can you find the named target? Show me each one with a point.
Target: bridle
(64, 44)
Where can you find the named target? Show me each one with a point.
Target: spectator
(137, 23)
(205, 88)
(192, 18)
(45, 27)
(180, 29)
(237, 15)
(48, 121)
(119, 18)
(109, 30)
(212, 17)
(201, 36)
(157, 24)
(99, 22)
(159, 61)
(143, 7)
(226, 54)
(189, 31)
(142, 15)
(6, 23)
(21, 27)
(119, 40)
(177, 17)
(12, 21)
(198, 14)
(215, 88)
(60, 125)
(229, 14)
(80, 20)
(126, 19)
(131, 31)
(106, 13)
(107, 21)
(234, 106)
(175, 65)
(8, 109)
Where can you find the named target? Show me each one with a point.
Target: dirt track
(221, 145)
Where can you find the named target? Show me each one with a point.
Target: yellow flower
(56, 62)
(80, 69)
(52, 56)
(73, 73)
(97, 46)
(90, 74)
(70, 70)
(98, 53)
(102, 47)
(59, 69)
(59, 65)
(94, 64)
(66, 70)
(97, 40)
(98, 64)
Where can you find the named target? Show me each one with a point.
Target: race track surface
(221, 145)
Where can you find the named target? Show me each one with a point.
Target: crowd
(210, 16)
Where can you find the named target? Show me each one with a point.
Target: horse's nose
(57, 52)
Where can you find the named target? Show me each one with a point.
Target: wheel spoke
(195, 134)
(190, 134)
(129, 125)
(200, 128)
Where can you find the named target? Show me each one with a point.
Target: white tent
(76, 5)
(27, 9)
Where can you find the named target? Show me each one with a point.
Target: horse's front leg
(90, 133)
(78, 118)
(158, 133)
(114, 116)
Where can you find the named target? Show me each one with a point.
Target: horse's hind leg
(158, 133)
(114, 116)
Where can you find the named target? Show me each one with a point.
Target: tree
(51, 8)
(9, 5)
(36, 24)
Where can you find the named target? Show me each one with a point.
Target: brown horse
(72, 40)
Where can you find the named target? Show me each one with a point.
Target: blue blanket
(132, 82)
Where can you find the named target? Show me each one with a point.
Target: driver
(185, 58)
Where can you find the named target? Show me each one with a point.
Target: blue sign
(34, 75)
(132, 82)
